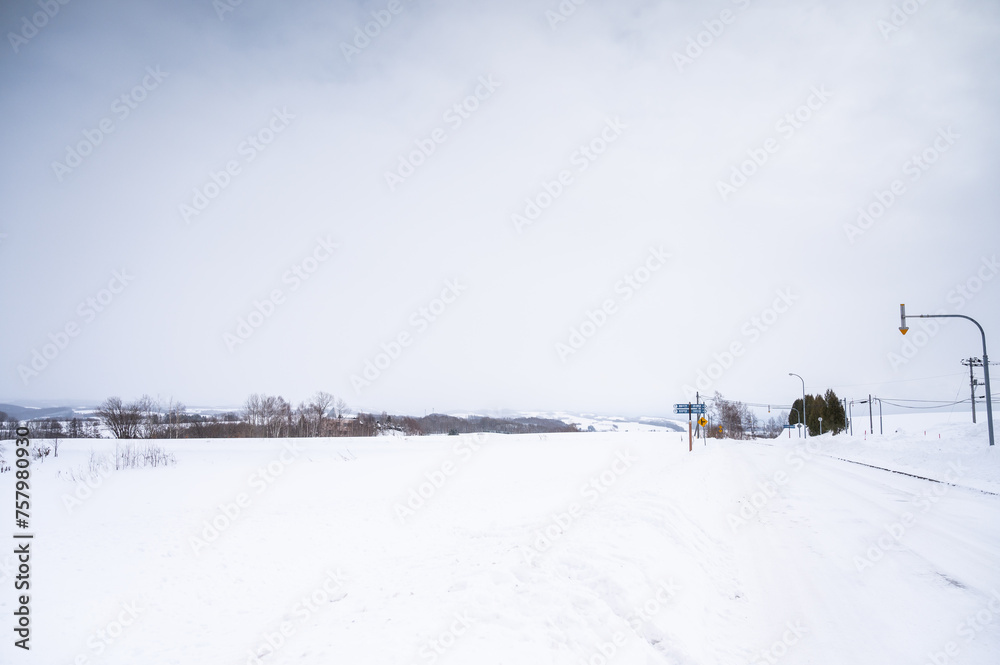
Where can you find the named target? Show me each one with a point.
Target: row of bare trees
(272, 416)
(261, 416)
(738, 421)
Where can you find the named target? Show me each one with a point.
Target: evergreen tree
(815, 409)
(837, 422)
(828, 407)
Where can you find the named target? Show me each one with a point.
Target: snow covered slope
(579, 548)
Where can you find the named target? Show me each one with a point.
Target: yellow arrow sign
(703, 421)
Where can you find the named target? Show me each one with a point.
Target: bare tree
(734, 417)
(172, 417)
(122, 420)
(150, 422)
(318, 406)
(253, 414)
(750, 422)
(8, 426)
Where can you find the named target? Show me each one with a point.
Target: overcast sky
(544, 205)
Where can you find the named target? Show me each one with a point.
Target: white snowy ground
(736, 552)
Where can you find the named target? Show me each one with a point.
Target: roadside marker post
(690, 409)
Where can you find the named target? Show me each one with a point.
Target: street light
(820, 425)
(986, 361)
(798, 417)
(876, 399)
(871, 418)
(804, 401)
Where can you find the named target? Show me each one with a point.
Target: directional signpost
(690, 409)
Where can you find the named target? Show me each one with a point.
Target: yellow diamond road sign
(703, 421)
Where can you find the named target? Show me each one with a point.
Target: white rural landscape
(535, 332)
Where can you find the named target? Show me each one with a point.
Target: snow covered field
(609, 547)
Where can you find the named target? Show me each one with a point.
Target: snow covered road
(581, 548)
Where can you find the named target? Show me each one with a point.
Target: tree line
(829, 407)
(262, 416)
(738, 421)
(732, 419)
(52, 428)
(265, 416)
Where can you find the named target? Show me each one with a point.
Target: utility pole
(871, 421)
(973, 362)
(973, 382)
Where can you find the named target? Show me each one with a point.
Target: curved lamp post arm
(805, 427)
(986, 360)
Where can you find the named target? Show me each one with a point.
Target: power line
(879, 383)
(936, 406)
